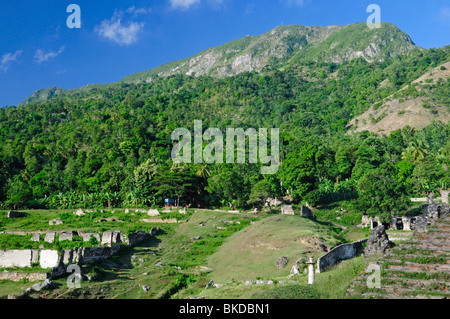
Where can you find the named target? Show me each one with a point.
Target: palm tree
(203, 171)
(416, 151)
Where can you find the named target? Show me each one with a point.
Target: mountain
(286, 45)
(42, 95)
(279, 48)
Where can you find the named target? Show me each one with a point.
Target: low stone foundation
(19, 276)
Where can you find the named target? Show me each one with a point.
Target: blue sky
(118, 38)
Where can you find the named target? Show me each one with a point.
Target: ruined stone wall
(50, 259)
(341, 252)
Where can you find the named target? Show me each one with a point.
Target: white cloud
(41, 56)
(137, 11)
(183, 4)
(7, 59)
(118, 32)
(186, 4)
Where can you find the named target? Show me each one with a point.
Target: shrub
(289, 292)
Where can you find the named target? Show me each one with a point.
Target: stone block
(34, 256)
(66, 236)
(107, 238)
(48, 259)
(67, 256)
(92, 254)
(15, 258)
(406, 223)
(154, 231)
(116, 237)
(87, 237)
(80, 212)
(153, 212)
(76, 255)
(137, 237)
(281, 262)
(445, 196)
(36, 237)
(56, 221)
(50, 237)
(14, 214)
(287, 210)
(306, 212)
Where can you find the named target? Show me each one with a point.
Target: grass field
(331, 284)
(253, 252)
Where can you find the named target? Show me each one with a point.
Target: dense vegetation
(110, 146)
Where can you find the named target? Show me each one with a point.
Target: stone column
(311, 272)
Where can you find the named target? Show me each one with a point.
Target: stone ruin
(153, 212)
(14, 214)
(378, 241)
(282, 262)
(431, 212)
(373, 222)
(403, 223)
(445, 196)
(50, 237)
(274, 202)
(339, 253)
(434, 210)
(54, 222)
(306, 212)
(80, 212)
(287, 210)
(57, 261)
(87, 236)
(397, 223)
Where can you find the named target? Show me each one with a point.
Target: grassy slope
(252, 253)
(172, 248)
(401, 109)
(332, 284)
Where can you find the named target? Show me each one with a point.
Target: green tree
(19, 194)
(260, 192)
(39, 184)
(297, 172)
(381, 195)
(416, 151)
